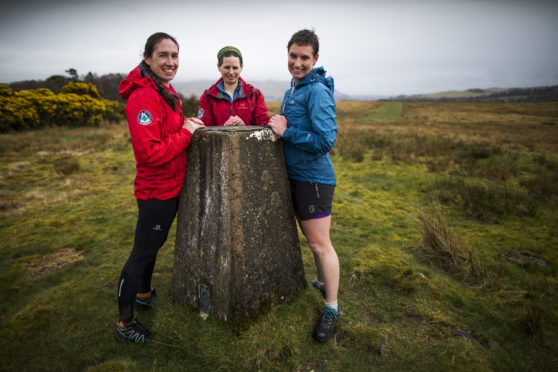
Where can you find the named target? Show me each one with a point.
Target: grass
(388, 112)
(444, 223)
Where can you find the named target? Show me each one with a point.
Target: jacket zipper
(288, 99)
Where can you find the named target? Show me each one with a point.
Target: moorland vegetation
(444, 220)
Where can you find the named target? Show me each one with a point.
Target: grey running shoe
(325, 329)
(133, 331)
(319, 286)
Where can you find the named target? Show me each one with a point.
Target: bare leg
(327, 262)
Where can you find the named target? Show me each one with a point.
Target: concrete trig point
(237, 251)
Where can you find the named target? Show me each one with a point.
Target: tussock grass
(445, 249)
(66, 165)
(542, 186)
(483, 200)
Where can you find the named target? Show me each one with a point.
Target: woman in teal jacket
(308, 128)
(310, 111)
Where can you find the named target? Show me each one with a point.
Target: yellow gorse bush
(78, 104)
(81, 89)
(17, 113)
(6, 91)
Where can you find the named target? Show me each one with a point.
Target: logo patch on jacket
(200, 113)
(144, 117)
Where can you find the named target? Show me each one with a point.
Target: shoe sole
(124, 339)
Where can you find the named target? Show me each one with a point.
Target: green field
(444, 221)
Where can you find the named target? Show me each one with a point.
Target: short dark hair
(153, 40)
(305, 37)
(230, 54)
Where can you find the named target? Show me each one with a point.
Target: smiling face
(164, 60)
(230, 69)
(301, 61)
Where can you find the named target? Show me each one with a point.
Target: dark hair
(230, 54)
(305, 37)
(152, 40)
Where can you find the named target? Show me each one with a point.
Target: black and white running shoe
(133, 331)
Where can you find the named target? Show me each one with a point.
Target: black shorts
(311, 200)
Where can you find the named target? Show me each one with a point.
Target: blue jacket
(311, 130)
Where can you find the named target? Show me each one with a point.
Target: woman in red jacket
(160, 135)
(231, 101)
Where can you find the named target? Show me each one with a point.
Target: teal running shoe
(325, 329)
(144, 303)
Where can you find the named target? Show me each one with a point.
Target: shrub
(6, 91)
(40, 107)
(44, 102)
(76, 110)
(190, 106)
(17, 113)
(114, 111)
(81, 89)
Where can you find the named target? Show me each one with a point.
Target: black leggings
(154, 221)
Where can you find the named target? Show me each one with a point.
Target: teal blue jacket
(311, 130)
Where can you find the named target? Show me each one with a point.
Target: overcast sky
(369, 47)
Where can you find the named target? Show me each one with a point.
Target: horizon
(209, 82)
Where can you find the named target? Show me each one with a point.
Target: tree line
(67, 100)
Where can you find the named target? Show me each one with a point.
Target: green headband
(228, 49)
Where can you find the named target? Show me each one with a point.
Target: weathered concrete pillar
(237, 250)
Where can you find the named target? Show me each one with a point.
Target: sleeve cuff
(287, 134)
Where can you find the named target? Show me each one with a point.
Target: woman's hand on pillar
(234, 120)
(278, 124)
(191, 124)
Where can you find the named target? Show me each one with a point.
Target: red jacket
(215, 108)
(158, 139)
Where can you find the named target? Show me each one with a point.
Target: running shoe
(144, 303)
(319, 286)
(325, 329)
(133, 331)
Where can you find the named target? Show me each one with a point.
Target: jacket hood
(318, 74)
(135, 79)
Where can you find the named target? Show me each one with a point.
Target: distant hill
(271, 89)
(535, 94)
(107, 86)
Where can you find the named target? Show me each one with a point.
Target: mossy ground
(488, 169)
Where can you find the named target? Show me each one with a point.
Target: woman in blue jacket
(308, 128)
